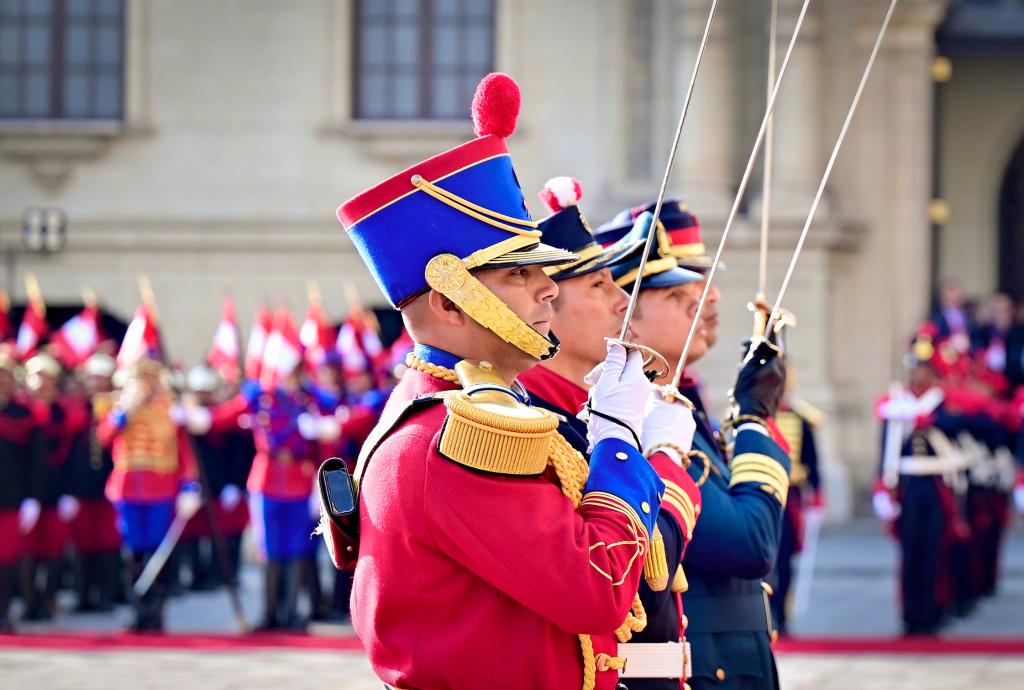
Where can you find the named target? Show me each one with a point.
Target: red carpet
(87, 641)
(900, 645)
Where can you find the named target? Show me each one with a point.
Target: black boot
(234, 549)
(273, 574)
(106, 574)
(148, 607)
(54, 573)
(296, 580)
(319, 604)
(7, 573)
(36, 606)
(85, 563)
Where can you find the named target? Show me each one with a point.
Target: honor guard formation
(950, 455)
(526, 488)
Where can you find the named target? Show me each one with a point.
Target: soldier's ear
(445, 310)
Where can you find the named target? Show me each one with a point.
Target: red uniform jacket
(473, 580)
(152, 456)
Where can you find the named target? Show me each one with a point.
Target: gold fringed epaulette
(656, 563)
(488, 429)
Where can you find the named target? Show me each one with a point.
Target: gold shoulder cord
(572, 471)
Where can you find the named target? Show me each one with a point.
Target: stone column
(703, 175)
(798, 156)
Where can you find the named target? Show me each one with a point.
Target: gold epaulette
(488, 429)
(102, 403)
(812, 414)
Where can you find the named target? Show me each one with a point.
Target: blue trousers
(144, 525)
(283, 528)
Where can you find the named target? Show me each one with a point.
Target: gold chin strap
(449, 275)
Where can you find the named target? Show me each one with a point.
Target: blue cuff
(618, 468)
(119, 418)
(751, 441)
(191, 487)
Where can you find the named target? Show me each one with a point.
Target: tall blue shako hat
(432, 224)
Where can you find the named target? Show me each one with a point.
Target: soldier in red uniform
(226, 491)
(20, 451)
(286, 424)
(490, 554)
(589, 308)
(94, 523)
(63, 422)
(153, 475)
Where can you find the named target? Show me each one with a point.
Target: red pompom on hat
(560, 193)
(496, 105)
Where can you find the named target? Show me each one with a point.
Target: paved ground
(180, 670)
(853, 595)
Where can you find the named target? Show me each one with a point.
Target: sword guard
(762, 311)
(655, 365)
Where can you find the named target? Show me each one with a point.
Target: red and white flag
(226, 348)
(33, 329)
(141, 340)
(283, 352)
(315, 335)
(359, 345)
(258, 335)
(77, 340)
(399, 349)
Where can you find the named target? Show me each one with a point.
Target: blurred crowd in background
(107, 448)
(951, 454)
(114, 459)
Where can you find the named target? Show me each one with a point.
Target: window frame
(58, 72)
(424, 74)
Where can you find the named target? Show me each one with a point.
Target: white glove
(67, 508)
(28, 515)
(197, 420)
(230, 496)
(667, 423)
(328, 429)
(886, 509)
(178, 414)
(309, 427)
(1018, 498)
(314, 505)
(619, 391)
(188, 503)
(817, 513)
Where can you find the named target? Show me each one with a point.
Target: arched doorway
(1011, 227)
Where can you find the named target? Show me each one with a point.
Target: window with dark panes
(61, 59)
(421, 59)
